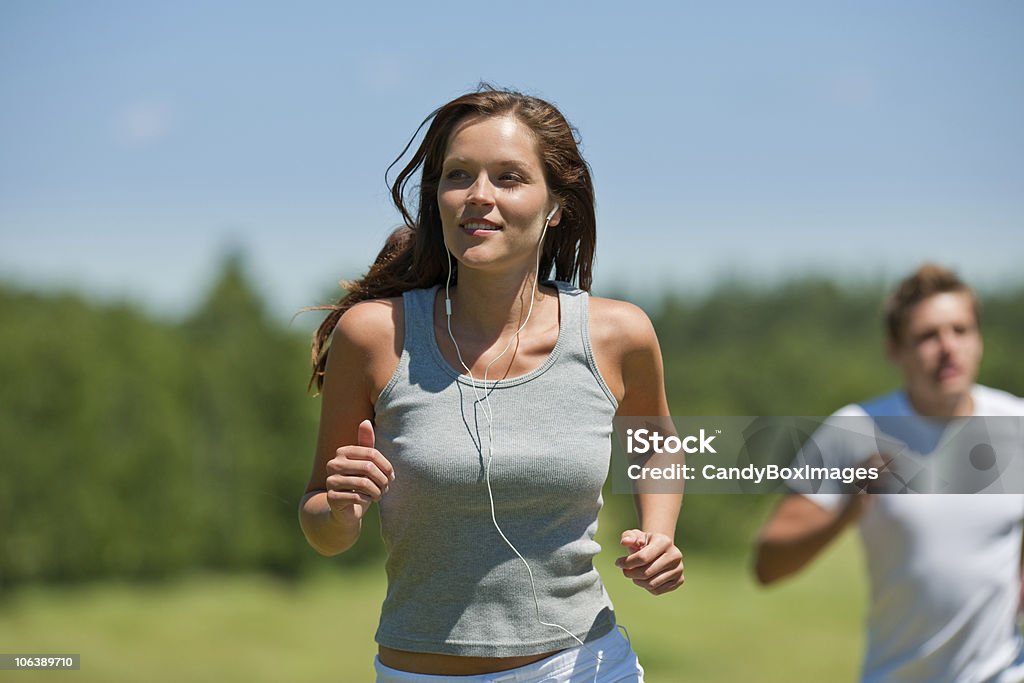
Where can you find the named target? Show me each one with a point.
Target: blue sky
(140, 140)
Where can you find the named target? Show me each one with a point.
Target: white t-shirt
(944, 570)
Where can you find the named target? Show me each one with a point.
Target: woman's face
(493, 197)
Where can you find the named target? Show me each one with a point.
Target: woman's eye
(456, 174)
(511, 178)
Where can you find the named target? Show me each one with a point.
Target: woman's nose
(481, 191)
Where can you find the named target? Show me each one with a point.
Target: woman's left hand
(654, 562)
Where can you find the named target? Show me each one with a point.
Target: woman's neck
(488, 306)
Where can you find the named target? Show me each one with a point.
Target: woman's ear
(555, 215)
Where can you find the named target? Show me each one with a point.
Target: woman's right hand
(357, 476)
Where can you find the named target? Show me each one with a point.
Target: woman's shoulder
(370, 324)
(367, 341)
(625, 347)
(627, 351)
(622, 325)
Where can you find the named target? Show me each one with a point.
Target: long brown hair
(414, 256)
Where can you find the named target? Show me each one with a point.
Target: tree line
(141, 448)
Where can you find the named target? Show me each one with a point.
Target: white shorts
(617, 664)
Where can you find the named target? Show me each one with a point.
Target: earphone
(489, 416)
(550, 216)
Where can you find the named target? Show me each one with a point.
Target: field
(719, 627)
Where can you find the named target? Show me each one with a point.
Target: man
(944, 569)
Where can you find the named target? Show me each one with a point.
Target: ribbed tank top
(454, 586)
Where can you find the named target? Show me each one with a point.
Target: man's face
(940, 348)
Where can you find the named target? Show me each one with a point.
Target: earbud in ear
(553, 210)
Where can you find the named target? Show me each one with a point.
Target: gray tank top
(454, 586)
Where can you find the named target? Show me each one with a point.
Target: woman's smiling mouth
(477, 226)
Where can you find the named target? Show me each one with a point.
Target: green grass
(719, 627)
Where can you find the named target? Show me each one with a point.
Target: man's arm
(797, 531)
(1020, 576)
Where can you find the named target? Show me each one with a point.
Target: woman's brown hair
(414, 256)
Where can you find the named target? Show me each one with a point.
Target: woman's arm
(626, 345)
(348, 472)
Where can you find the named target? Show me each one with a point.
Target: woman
(474, 404)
